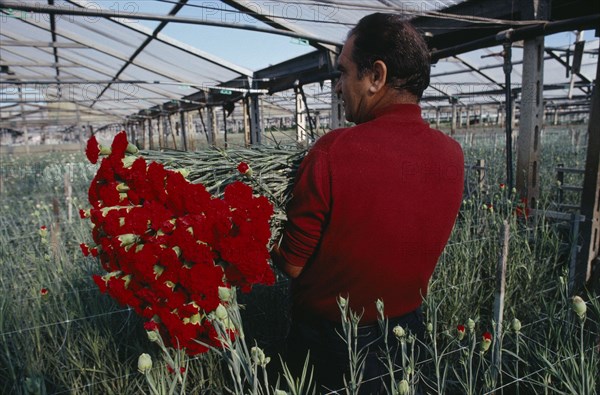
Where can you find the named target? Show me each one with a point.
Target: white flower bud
(399, 332)
(221, 312)
(224, 294)
(471, 325)
(152, 336)
(258, 356)
(579, 307)
(429, 327)
(144, 363)
(516, 325)
(403, 387)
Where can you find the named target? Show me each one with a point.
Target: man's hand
(280, 262)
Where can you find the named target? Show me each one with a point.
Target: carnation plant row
(162, 283)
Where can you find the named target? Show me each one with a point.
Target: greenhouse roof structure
(104, 62)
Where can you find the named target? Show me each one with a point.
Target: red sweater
(372, 209)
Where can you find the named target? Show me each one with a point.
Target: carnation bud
(486, 341)
(403, 387)
(127, 239)
(224, 294)
(122, 187)
(516, 325)
(183, 172)
(342, 302)
(43, 231)
(144, 363)
(258, 356)
(128, 161)
(399, 332)
(158, 270)
(380, 306)
(195, 319)
(429, 327)
(460, 332)
(471, 325)
(579, 307)
(104, 150)
(152, 336)
(131, 149)
(221, 312)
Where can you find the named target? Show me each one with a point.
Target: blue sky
(253, 50)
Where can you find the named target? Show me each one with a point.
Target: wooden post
(530, 125)
(499, 302)
(246, 122)
(69, 191)
(480, 166)
(182, 125)
(161, 131)
(337, 108)
(560, 181)
(453, 101)
(590, 197)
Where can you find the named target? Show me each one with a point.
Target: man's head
(384, 60)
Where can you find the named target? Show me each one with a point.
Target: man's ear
(378, 76)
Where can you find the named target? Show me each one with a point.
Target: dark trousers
(329, 352)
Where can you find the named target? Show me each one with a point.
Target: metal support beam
(300, 117)
(337, 108)
(453, 101)
(509, 107)
(254, 114)
(532, 109)
(182, 128)
(211, 125)
(590, 198)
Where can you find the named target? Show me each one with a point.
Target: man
(373, 205)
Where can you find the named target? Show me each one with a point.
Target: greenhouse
(165, 216)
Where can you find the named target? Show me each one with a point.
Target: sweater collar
(408, 112)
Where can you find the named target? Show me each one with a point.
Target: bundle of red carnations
(168, 245)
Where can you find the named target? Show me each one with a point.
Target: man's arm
(281, 263)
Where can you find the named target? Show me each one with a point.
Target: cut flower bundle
(169, 246)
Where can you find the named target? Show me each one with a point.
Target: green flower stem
(582, 357)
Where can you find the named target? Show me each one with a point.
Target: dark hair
(394, 41)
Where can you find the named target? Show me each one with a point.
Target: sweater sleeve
(308, 209)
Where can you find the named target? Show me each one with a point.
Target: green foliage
(59, 335)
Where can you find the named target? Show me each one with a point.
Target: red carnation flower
(487, 336)
(44, 291)
(150, 326)
(92, 150)
(84, 249)
(243, 168)
(182, 244)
